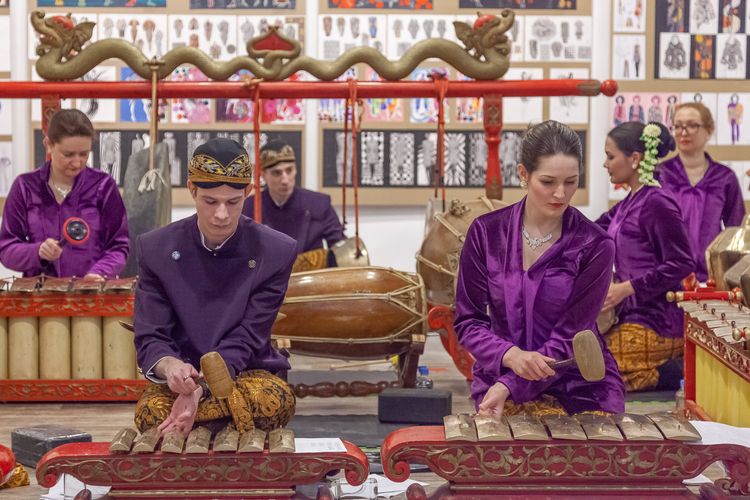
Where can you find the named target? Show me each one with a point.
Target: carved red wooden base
(70, 390)
(440, 318)
(205, 475)
(655, 468)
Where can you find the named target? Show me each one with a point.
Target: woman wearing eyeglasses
(707, 192)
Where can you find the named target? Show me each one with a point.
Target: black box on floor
(414, 406)
(29, 444)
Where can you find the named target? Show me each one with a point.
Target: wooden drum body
(355, 313)
(437, 259)
(60, 340)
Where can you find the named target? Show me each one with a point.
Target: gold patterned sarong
(267, 400)
(545, 406)
(19, 478)
(311, 260)
(639, 352)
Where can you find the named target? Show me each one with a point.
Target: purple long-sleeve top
(499, 305)
(307, 216)
(653, 253)
(190, 300)
(32, 215)
(714, 203)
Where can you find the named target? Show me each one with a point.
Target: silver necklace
(61, 191)
(535, 243)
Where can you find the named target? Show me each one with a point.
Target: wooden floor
(102, 421)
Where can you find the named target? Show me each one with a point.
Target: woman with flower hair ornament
(707, 192)
(652, 256)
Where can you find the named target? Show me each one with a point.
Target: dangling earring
(524, 184)
(635, 166)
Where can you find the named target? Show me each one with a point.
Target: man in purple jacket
(305, 215)
(212, 282)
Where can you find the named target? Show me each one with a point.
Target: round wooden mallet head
(217, 375)
(75, 231)
(588, 355)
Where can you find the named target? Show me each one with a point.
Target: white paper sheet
(318, 445)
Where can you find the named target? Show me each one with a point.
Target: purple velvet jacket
(499, 305)
(190, 300)
(707, 208)
(307, 216)
(653, 253)
(32, 215)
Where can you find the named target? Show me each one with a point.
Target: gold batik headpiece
(220, 160)
(270, 156)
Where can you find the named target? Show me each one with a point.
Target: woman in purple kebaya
(531, 276)
(708, 192)
(41, 201)
(653, 256)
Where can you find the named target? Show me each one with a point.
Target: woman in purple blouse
(707, 192)
(531, 276)
(40, 202)
(653, 256)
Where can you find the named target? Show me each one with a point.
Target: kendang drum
(437, 259)
(354, 313)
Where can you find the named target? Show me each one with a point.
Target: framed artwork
(99, 110)
(524, 110)
(6, 167)
(629, 16)
(407, 158)
(243, 4)
(113, 148)
(731, 119)
(628, 57)
(557, 38)
(569, 109)
(5, 46)
(644, 107)
(138, 4)
(381, 4)
(518, 4)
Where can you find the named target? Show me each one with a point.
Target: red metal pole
(493, 124)
(50, 106)
(311, 90)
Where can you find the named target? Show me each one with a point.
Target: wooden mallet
(587, 355)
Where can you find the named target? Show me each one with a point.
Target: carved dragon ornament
(272, 56)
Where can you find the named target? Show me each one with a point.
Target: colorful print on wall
(518, 4)
(381, 4)
(701, 39)
(629, 16)
(243, 4)
(87, 4)
(644, 107)
(732, 125)
(425, 109)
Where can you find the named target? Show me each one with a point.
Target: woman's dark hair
(627, 137)
(69, 123)
(549, 138)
